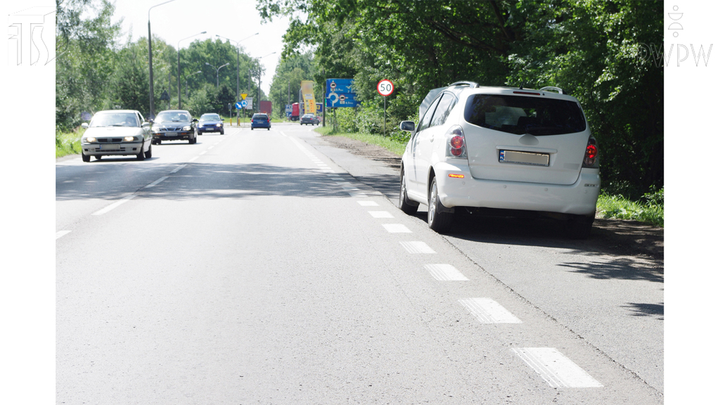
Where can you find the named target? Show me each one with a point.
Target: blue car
(210, 123)
(260, 120)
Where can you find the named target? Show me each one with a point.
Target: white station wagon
(501, 148)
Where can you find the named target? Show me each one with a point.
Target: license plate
(524, 158)
(109, 147)
(170, 133)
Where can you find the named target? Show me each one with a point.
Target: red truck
(295, 114)
(266, 107)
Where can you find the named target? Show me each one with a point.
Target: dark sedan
(173, 125)
(309, 119)
(210, 123)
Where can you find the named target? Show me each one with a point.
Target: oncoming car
(492, 148)
(310, 119)
(260, 120)
(210, 123)
(116, 132)
(173, 125)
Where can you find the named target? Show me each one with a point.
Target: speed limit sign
(385, 87)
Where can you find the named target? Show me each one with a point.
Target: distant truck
(295, 114)
(266, 107)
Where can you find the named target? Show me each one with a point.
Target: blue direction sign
(335, 100)
(339, 93)
(240, 104)
(339, 86)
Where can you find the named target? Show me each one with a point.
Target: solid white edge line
(60, 234)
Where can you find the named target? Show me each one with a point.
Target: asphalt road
(257, 267)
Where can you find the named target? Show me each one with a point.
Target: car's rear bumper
(579, 198)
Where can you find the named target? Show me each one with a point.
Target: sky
(180, 19)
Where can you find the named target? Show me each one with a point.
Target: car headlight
(156, 128)
(187, 128)
(89, 139)
(219, 124)
(130, 139)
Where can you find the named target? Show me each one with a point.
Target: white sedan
(117, 132)
(500, 149)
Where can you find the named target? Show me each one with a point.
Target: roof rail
(553, 88)
(469, 84)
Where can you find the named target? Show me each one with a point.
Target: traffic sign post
(385, 87)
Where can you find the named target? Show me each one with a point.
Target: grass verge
(394, 146)
(650, 209)
(68, 143)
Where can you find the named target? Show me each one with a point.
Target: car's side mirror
(194, 120)
(146, 124)
(407, 126)
(84, 125)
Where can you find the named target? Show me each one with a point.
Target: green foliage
(650, 208)
(593, 49)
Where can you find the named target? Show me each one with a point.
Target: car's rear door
(516, 136)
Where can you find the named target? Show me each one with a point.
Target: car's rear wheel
(407, 206)
(439, 217)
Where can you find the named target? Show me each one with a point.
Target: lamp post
(152, 101)
(260, 77)
(178, 66)
(237, 90)
(217, 73)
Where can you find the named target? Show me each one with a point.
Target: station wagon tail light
(456, 142)
(591, 154)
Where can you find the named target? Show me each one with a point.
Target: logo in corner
(31, 37)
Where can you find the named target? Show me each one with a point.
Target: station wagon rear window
(524, 115)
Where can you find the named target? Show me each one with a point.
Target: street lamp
(260, 76)
(152, 102)
(217, 73)
(237, 90)
(178, 67)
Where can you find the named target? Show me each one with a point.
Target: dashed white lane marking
(445, 272)
(380, 214)
(177, 169)
(417, 247)
(556, 369)
(368, 203)
(488, 311)
(115, 204)
(156, 182)
(397, 228)
(60, 234)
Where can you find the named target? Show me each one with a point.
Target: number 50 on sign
(385, 87)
